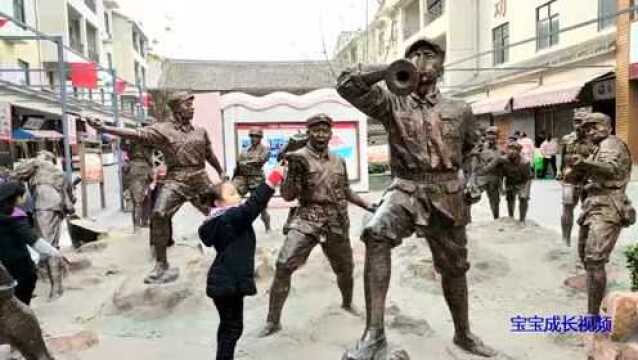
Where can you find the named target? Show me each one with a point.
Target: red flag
(3, 22)
(84, 75)
(146, 100)
(120, 86)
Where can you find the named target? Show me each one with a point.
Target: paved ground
(516, 270)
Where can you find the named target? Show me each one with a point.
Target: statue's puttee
(573, 146)
(319, 181)
(429, 137)
(606, 208)
(186, 151)
(249, 172)
(53, 201)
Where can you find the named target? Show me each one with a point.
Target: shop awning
(554, 94)
(24, 134)
(492, 105)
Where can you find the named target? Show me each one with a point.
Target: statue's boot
(523, 205)
(455, 293)
(369, 347)
(567, 222)
(510, 207)
(158, 272)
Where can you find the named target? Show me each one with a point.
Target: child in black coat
(231, 277)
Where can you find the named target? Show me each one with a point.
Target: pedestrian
(549, 149)
(527, 146)
(15, 235)
(231, 277)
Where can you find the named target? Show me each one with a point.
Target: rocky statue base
(167, 276)
(385, 352)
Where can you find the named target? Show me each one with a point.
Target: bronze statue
(186, 150)
(53, 201)
(18, 324)
(518, 178)
(426, 196)
(249, 171)
(138, 177)
(606, 209)
(489, 182)
(319, 181)
(572, 146)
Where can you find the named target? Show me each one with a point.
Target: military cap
(515, 145)
(179, 97)
(597, 118)
(319, 119)
(256, 132)
(10, 189)
(424, 42)
(491, 130)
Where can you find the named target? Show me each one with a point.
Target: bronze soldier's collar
(322, 155)
(431, 99)
(183, 127)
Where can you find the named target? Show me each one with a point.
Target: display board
(344, 142)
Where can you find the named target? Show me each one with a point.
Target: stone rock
(629, 352)
(78, 262)
(600, 347)
(576, 282)
(456, 353)
(622, 307)
(168, 276)
(93, 247)
(406, 325)
(387, 353)
(150, 301)
(73, 343)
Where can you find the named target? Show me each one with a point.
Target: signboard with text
(344, 142)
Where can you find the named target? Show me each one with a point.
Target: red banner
(84, 75)
(120, 86)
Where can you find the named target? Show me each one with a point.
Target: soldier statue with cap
(186, 151)
(430, 137)
(606, 208)
(489, 182)
(138, 176)
(53, 201)
(574, 145)
(518, 178)
(318, 180)
(249, 171)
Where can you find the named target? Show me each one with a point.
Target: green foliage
(377, 168)
(631, 253)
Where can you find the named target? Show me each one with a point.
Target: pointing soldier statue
(249, 172)
(186, 151)
(606, 208)
(319, 181)
(573, 146)
(429, 137)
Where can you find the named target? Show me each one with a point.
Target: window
(107, 24)
(143, 78)
(353, 54)
(500, 41)
(136, 43)
(90, 4)
(381, 43)
(109, 59)
(606, 12)
(435, 9)
(547, 26)
(137, 74)
(75, 37)
(411, 21)
(25, 78)
(18, 11)
(634, 14)
(91, 41)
